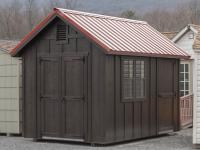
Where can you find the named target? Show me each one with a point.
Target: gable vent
(61, 33)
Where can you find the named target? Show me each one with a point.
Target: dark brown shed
(98, 79)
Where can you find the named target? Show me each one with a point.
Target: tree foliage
(174, 20)
(129, 14)
(170, 20)
(18, 17)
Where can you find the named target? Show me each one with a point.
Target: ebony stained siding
(139, 119)
(106, 118)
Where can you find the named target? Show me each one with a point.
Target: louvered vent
(61, 32)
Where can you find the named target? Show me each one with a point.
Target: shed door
(165, 95)
(62, 97)
(50, 96)
(74, 105)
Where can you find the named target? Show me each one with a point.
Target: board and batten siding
(10, 87)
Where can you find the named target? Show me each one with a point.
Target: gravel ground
(177, 141)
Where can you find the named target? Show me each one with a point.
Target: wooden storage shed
(10, 87)
(98, 79)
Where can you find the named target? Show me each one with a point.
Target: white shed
(10, 89)
(189, 40)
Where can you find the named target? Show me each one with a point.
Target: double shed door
(62, 103)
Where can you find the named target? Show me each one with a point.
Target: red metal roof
(116, 35)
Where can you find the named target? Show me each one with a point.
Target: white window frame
(184, 81)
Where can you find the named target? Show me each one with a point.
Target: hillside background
(117, 6)
(18, 17)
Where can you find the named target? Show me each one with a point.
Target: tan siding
(9, 94)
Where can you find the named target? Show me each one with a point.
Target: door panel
(49, 79)
(50, 117)
(62, 108)
(165, 95)
(74, 119)
(73, 96)
(73, 77)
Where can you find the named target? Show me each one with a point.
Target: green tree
(129, 14)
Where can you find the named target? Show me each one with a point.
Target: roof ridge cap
(99, 16)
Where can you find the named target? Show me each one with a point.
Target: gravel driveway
(178, 141)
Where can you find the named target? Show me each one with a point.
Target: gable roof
(196, 44)
(195, 29)
(169, 35)
(115, 35)
(8, 45)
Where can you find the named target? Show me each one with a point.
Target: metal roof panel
(120, 36)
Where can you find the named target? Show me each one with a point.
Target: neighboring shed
(189, 40)
(170, 35)
(10, 87)
(98, 79)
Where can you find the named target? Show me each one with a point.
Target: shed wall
(108, 119)
(10, 97)
(98, 94)
(134, 120)
(46, 45)
(29, 92)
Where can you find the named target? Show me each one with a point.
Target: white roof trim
(180, 34)
(193, 29)
(183, 31)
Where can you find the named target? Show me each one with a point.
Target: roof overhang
(147, 55)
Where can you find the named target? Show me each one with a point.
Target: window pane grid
(133, 79)
(184, 79)
(128, 79)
